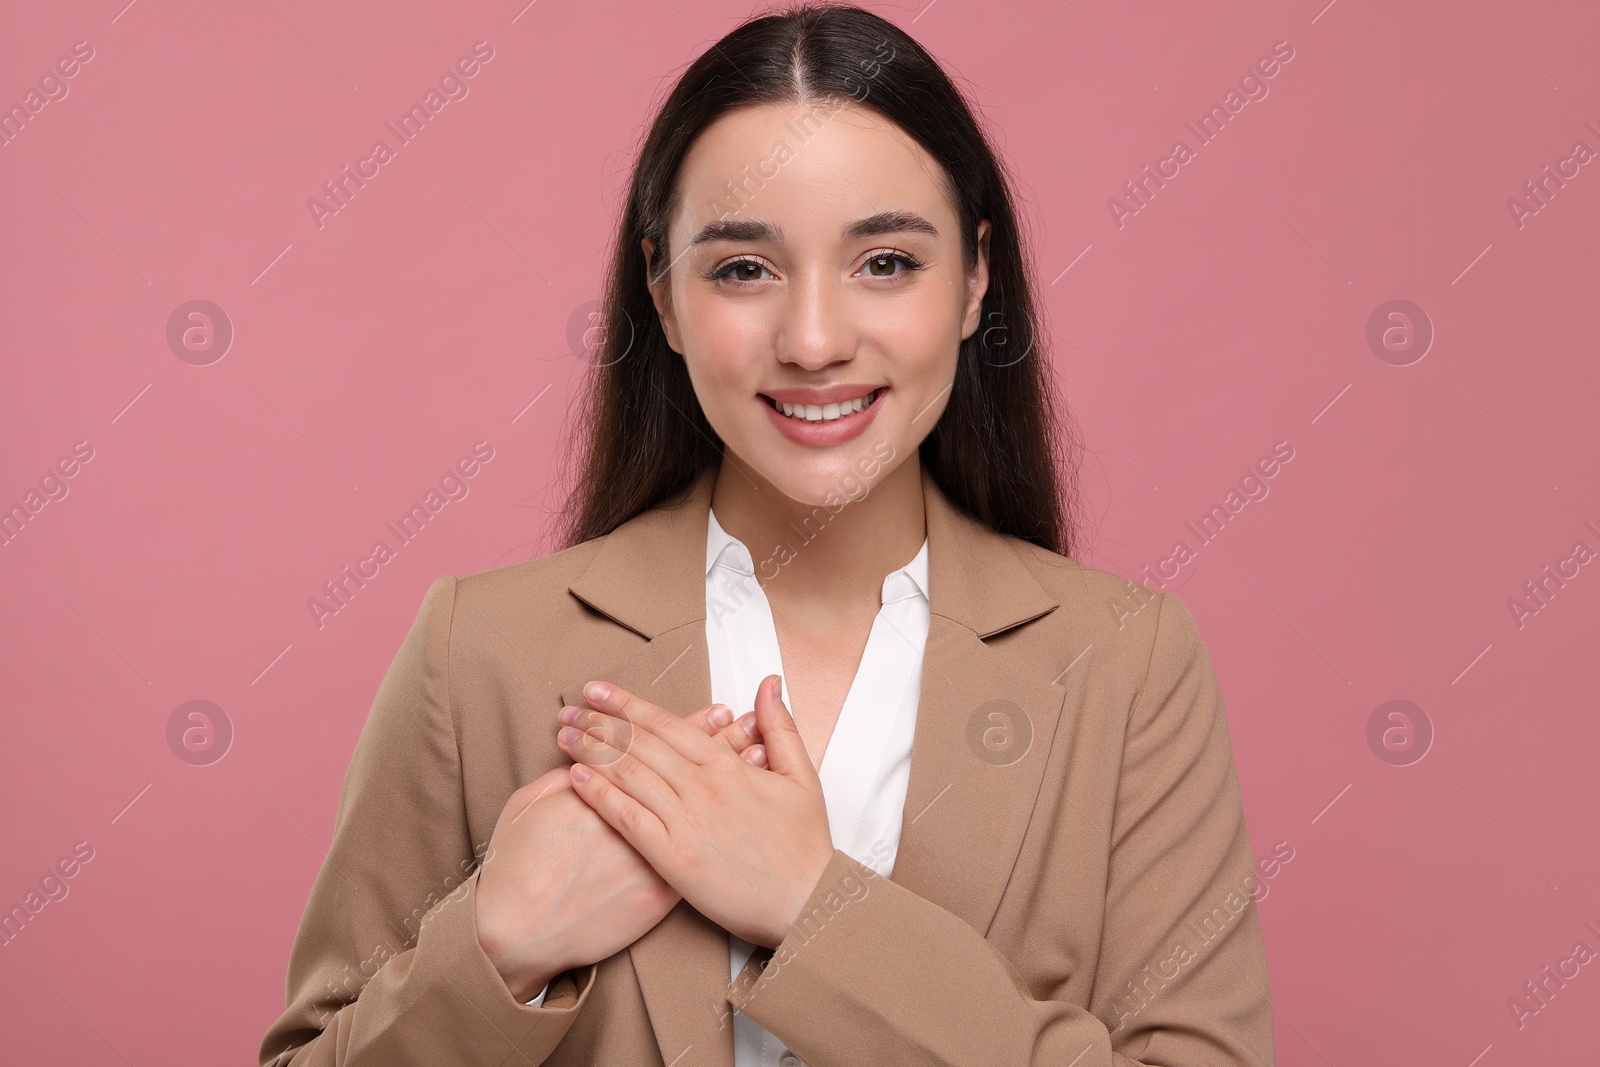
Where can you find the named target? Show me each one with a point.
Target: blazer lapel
(985, 723)
(986, 718)
(649, 576)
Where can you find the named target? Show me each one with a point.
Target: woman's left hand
(743, 845)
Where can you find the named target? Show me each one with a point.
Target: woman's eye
(740, 270)
(748, 271)
(882, 266)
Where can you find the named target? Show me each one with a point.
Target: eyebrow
(734, 229)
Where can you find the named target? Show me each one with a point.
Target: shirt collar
(724, 549)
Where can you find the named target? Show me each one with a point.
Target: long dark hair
(1003, 449)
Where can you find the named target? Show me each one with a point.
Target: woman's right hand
(559, 888)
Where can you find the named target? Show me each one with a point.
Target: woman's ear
(977, 283)
(659, 295)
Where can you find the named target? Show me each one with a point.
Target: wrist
(523, 978)
(802, 891)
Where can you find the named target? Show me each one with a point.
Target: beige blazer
(1074, 878)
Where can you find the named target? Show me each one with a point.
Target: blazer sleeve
(386, 968)
(1182, 975)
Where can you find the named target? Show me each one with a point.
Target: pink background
(1229, 313)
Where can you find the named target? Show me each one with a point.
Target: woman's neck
(814, 559)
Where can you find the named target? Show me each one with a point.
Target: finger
(756, 755)
(717, 721)
(703, 718)
(637, 824)
(741, 735)
(617, 733)
(786, 752)
(625, 769)
(606, 738)
(681, 736)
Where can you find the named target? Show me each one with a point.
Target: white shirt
(867, 762)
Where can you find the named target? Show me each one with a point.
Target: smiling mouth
(824, 412)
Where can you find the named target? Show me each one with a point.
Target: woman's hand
(559, 888)
(745, 846)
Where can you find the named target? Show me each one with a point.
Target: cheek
(920, 344)
(922, 322)
(718, 379)
(721, 332)
(723, 358)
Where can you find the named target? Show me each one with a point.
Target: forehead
(809, 168)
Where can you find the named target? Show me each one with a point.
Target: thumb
(786, 752)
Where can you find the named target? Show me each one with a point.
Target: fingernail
(720, 716)
(580, 773)
(569, 714)
(567, 735)
(599, 692)
(751, 727)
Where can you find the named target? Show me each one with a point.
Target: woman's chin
(831, 487)
(816, 480)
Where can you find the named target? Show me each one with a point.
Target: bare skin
(701, 816)
(551, 855)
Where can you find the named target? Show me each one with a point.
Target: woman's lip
(824, 434)
(833, 394)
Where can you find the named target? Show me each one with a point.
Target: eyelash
(722, 271)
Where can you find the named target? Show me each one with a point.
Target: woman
(1002, 825)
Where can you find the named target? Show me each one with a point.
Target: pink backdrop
(1437, 465)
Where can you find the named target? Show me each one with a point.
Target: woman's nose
(817, 329)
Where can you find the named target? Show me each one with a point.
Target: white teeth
(826, 412)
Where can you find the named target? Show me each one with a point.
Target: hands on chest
(587, 858)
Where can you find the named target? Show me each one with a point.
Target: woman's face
(817, 262)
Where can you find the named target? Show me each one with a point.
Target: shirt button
(789, 1059)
